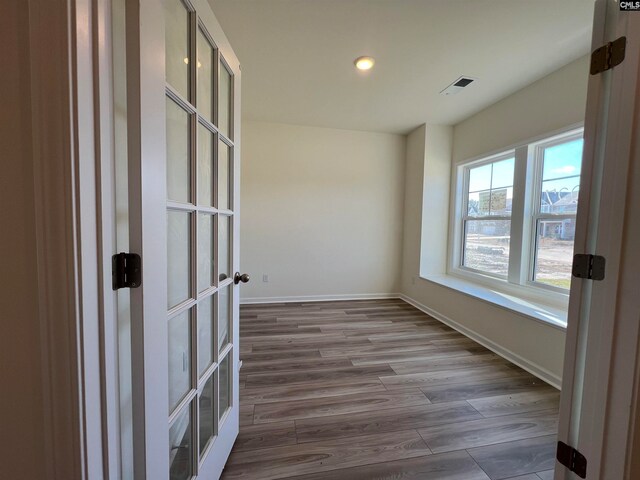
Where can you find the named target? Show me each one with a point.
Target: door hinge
(572, 459)
(590, 267)
(126, 270)
(608, 56)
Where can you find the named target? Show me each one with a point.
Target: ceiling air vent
(457, 86)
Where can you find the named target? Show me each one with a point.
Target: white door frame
(67, 58)
(613, 345)
(602, 334)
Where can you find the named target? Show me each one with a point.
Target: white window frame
(464, 213)
(536, 214)
(524, 214)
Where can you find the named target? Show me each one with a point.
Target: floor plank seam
(478, 465)
(471, 405)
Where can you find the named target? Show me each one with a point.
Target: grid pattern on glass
(193, 219)
(224, 247)
(224, 317)
(224, 100)
(491, 189)
(487, 225)
(178, 257)
(224, 176)
(205, 251)
(205, 166)
(178, 171)
(180, 446)
(555, 222)
(177, 46)
(204, 69)
(179, 345)
(224, 388)
(561, 178)
(205, 333)
(206, 414)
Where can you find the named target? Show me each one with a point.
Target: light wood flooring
(379, 390)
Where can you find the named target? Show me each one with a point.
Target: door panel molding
(147, 165)
(70, 287)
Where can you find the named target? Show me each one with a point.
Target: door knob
(237, 278)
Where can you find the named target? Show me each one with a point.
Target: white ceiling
(297, 56)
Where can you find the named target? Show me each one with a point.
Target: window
(516, 214)
(487, 223)
(556, 204)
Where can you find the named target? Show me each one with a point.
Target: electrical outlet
(265, 278)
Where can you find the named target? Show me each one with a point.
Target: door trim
(599, 379)
(146, 140)
(66, 171)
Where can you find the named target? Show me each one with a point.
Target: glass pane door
(183, 85)
(200, 218)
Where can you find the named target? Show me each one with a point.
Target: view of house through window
(557, 207)
(488, 223)
(546, 216)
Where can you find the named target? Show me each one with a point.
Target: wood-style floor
(379, 390)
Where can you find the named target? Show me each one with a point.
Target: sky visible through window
(563, 160)
(480, 177)
(561, 177)
(561, 164)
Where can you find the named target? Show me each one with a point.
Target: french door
(183, 88)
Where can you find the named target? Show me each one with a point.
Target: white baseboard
(532, 368)
(319, 298)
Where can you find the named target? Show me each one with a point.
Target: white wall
(553, 102)
(427, 186)
(322, 211)
(435, 174)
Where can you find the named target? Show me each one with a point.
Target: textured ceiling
(297, 56)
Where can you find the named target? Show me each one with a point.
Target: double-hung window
(487, 222)
(515, 216)
(557, 185)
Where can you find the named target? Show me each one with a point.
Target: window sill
(548, 315)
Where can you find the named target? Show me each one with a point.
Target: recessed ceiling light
(364, 63)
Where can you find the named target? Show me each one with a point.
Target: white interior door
(183, 88)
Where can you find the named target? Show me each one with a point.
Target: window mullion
(554, 216)
(516, 244)
(488, 217)
(459, 261)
